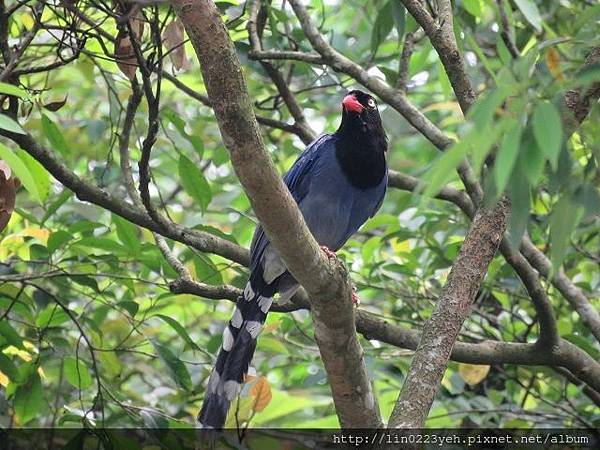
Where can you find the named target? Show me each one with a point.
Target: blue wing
(298, 180)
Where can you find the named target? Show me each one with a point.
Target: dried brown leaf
(55, 106)
(137, 22)
(261, 390)
(8, 191)
(553, 62)
(125, 55)
(173, 38)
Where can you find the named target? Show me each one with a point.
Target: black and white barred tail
(237, 349)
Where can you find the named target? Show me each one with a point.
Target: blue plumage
(339, 181)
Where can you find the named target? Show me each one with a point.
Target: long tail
(237, 349)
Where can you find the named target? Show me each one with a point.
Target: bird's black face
(360, 116)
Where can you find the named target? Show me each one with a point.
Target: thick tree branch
(372, 327)
(326, 282)
(440, 31)
(453, 307)
(87, 191)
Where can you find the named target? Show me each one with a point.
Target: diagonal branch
(87, 191)
(440, 31)
(324, 281)
(453, 307)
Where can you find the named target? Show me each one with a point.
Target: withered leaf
(261, 391)
(553, 62)
(125, 55)
(137, 22)
(173, 38)
(55, 106)
(8, 191)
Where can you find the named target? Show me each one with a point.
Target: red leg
(328, 252)
(355, 299)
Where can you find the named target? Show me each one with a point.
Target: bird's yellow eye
(371, 103)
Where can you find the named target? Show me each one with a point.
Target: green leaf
(384, 22)
(547, 129)
(520, 199)
(532, 158)
(589, 74)
(531, 13)
(8, 368)
(40, 175)
(507, 155)
(9, 333)
(21, 171)
(84, 280)
(127, 233)
(9, 89)
(51, 316)
(399, 13)
(129, 306)
(57, 240)
(53, 207)
(8, 124)
(194, 183)
(503, 52)
(177, 369)
(54, 136)
(183, 334)
(111, 364)
(588, 197)
(563, 220)
(105, 244)
(473, 7)
(179, 124)
(77, 372)
(206, 271)
(442, 169)
(29, 399)
(483, 111)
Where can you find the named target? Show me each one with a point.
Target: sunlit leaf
(474, 7)
(473, 374)
(10, 89)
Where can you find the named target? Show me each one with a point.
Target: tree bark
(325, 281)
(453, 307)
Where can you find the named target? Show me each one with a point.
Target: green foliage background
(95, 337)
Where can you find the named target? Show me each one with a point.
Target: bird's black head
(361, 121)
(361, 141)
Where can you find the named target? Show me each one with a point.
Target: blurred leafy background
(90, 333)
